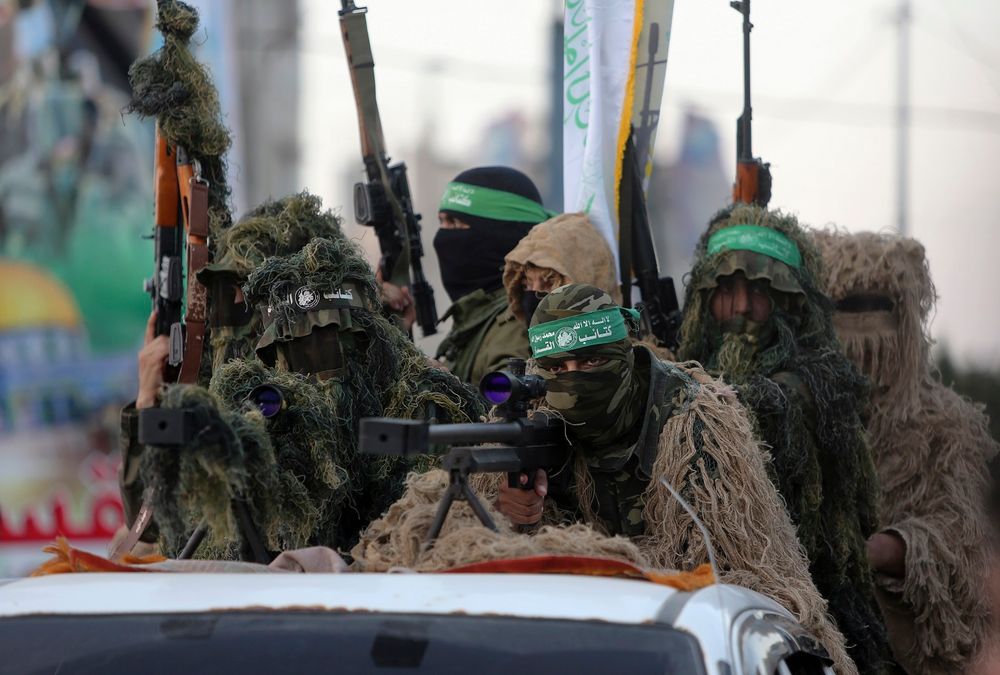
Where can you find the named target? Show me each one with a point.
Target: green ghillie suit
(335, 359)
(806, 401)
(632, 420)
(275, 228)
(280, 227)
(932, 448)
(173, 87)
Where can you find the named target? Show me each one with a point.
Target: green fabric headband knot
(758, 239)
(492, 204)
(583, 330)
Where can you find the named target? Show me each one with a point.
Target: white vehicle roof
(548, 596)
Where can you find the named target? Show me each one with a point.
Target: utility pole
(903, 19)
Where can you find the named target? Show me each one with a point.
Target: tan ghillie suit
(931, 450)
(572, 251)
(707, 452)
(571, 247)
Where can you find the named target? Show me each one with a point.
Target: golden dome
(30, 297)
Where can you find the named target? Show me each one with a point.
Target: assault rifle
(384, 202)
(523, 442)
(180, 222)
(659, 309)
(753, 176)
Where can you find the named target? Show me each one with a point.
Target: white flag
(614, 61)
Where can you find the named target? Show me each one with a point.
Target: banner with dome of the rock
(614, 62)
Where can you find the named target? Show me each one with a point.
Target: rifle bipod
(252, 546)
(458, 465)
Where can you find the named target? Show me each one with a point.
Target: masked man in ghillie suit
(932, 450)
(632, 420)
(483, 214)
(277, 437)
(279, 227)
(754, 314)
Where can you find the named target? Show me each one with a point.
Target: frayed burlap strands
(932, 448)
(314, 457)
(893, 354)
(172, 86)
(814, 324)
(396, 539)
(571, 249)
(932, 469)
(278, 227)
(708, 454)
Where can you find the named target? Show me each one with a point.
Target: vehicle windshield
(305, 642)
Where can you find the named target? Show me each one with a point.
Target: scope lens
(496, 387)
(268, 400)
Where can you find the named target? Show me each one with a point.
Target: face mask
(472, 259)
(223, 308)
(319, 353)
(529, 303)
(601, 404)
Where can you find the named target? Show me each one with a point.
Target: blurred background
(875, 115)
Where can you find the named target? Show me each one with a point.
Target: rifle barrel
(448, 434)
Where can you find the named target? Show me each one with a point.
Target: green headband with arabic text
(493, 204)
(758, 239)
(583, 330)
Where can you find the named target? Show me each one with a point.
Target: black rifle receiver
(523, 442)
(383, 202)
(659, 309)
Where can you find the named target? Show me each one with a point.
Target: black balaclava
(473, 259)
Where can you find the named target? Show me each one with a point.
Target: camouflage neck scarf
(601, 405)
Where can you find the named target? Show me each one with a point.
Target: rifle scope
(268, 399)
(511, 386)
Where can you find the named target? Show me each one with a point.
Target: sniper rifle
(521, 444)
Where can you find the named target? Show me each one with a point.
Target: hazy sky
(824, 89)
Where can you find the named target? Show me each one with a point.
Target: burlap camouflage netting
(397, 539)
(277, 228)
(807, 400)
(931, 448)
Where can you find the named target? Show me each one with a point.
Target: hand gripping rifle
(180, 224)
(383, 202)
(523, 442)
(753, 176)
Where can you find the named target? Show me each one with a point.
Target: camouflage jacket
(621, 478)
(485, 334)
